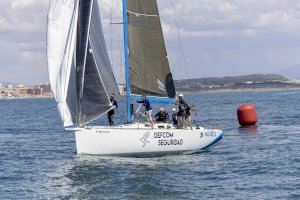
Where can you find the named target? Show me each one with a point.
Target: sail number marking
(102, 131)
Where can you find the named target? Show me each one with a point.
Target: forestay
(80, 72)
(148, 61)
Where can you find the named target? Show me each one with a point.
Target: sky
(219, 37)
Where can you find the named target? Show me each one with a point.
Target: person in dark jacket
(188, 115)
(110, 114)
(174, 117)
(148, 109)
(183, 108)
(162, 116)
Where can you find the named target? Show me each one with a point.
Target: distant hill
(291, 72)
(229, 80)
(237, 83)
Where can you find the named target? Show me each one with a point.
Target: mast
(127, 74)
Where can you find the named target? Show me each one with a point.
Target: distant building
(296, 81)
(46, 87)
(8, 91)
(9, 86)
(20, 86)
(249, 82)
(21, 90)
(38, 91)
(31, 91)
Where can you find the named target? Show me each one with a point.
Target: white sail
(61, 41)
(80, 72)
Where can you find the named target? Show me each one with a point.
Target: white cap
(180, 95)
(161, 109)
(174, 109)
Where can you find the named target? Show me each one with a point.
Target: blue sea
(38, 158)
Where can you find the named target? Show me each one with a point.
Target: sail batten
(80, 72)
(150, 72)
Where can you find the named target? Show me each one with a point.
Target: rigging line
(180, 42)
(179, 54)
(110, 30)
(142, 56)
(148, 59)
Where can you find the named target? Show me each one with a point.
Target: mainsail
(80, 72)
(148, 61)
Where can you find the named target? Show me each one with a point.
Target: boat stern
(214, 137)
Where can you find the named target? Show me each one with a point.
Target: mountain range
(227, 80)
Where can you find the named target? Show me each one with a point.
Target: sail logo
(144, 139)
(161, 85)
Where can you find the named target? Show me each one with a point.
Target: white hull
(141, 139)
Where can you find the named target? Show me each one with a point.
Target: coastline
(26, 97)
(221, 90)
(214, 90)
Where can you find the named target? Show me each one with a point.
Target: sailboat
(82, 80)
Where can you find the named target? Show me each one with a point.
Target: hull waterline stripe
(214, 141)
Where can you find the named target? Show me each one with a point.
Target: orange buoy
(247, 115)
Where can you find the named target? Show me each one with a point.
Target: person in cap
(162, 116)
(148, 109)
(174, 117)
(182, 111)
(111, 113)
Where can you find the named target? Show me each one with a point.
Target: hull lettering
(163, 135)
(174, 142)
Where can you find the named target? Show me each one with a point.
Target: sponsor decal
(174, 142)
(163, 135)
(167, 139)
(211, 133)
(144, 139)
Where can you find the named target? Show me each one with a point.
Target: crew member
(162, 116)
(174, 117)
(188, 115)
(182, 111)
(148, 109)
(110, 114)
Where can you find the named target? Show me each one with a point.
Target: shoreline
(223, 90)
(26, 97)
(240, 89)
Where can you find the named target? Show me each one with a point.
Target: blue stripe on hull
(214, 141)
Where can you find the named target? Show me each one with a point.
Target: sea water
(38, 159)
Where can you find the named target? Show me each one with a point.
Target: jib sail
(80, 72)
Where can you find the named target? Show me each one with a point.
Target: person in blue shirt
(148, 109)
(111, 113)
(174, 117)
